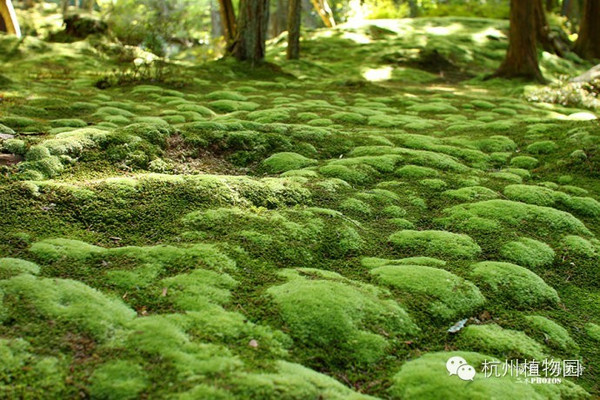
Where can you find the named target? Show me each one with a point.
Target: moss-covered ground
(302, 230)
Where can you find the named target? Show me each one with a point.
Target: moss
(435, 243)
(532, 194)
(70, 303)
(354, 206)
(449, 296)
(24, 374)
(415, 172)
(349, 117)
(54, 249)
(520, 216)
(226, 95)
(283, 162)
(17, 122)
(14, 266)
(14, 146)
(471, 193)
(342, 172)
(72, 123)
(269, 115)
(292, 381)
(232, 105)
(103, 112)
(578, 247)
(524, 162)
(437, 108)
(339, 314)
(513, 284)
(37, 153)
(543, 147)
(118, 380)
(6, 130)
(394, 212)
(553, 334)
(426, 378)
(528, 252)
(434, 184)
(593, 331)
(504, 343)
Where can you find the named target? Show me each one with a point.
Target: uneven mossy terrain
(308, 229)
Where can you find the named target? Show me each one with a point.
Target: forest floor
(306, 229)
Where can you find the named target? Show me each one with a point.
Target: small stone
(4, 136)
(253, 343)
(10, 159)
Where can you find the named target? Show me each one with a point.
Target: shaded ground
(307, 230)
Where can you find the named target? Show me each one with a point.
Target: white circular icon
(466, 372)
(454, 363)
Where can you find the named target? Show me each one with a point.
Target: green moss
(426, 378)
(232, 105)
(593, 331)
(226, 95)
(282, 162)
(543, 147)
(415, 172)
(342, 172)
(435, 243)
(15, 266)
(433, 184)
(118, 380)
(17, 122)
(520, 216)
(553, 334)
(14, 146)
(6, 130)
(72, 123)
(339, 314)
(524, 162)
(291, 381)
(70, 303)
(538, 195)
(394, 212)
(504, 343)
(54, 249)
(515, 285)
(578, 247)
(354, 206)
(437, 108)
(528, 252)
(471, 193)
(349, 117)
(448, 296)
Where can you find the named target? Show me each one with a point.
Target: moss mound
(435, 243)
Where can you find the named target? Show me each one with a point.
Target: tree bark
(521, 58)
(216, 25)
(278, 21)
(252, 28)
(543, 32)
(8, 18)
(294, 14)
(588, 43)
(228, 21)
(550, 4)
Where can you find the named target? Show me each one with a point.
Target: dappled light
(297, 200)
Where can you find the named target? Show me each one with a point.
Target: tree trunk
(543, 32)
(521, 58)
(588, 43)
(251, 30)
(294, 14)
(228, 21)
(279, 19)
(216, 25)
(550, 4)
(8, 18)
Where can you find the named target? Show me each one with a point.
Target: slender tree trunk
(228, 21)
(216, 25)
(8, 18)
(251, 30)
(542, 30)
(279, 19)
(294, 15)
(521, 57)
(588, 42)
(550, 4)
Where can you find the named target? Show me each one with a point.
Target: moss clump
(426, 378)
(415, 172)
(578, 247)
(286, 161)
(449, 296)
(471, 193)
(394, 212)
(538, 195)
(357, 207)
(553, 334)
(15, 266)
(349, 117)
(504, 343)
(70, 303)
(524, 162)
(232, 105)
(345, 173)
(14, 146)
(517, 286)
(291, 381)
(6, 130)
(226, 95)
(542, 147)
(516, 215)
(338, 317)
(593, 331)
(435, 243)
(118, 380)
(528, 253)
(374, 262)
(71, 123)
